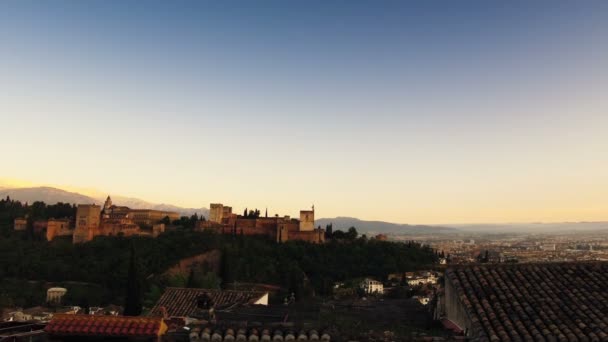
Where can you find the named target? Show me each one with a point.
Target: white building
(54, 295)
(428, 278)
(372, 286)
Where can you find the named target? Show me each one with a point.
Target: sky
(413, 112)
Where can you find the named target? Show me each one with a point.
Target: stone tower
(216, 211)
(307, 220)
(87, 222)
(107, 205)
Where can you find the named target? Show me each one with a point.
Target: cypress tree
(133, 300)
(191, 283)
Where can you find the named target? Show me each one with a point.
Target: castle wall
(39, 226)
(158, 229)
(20, 224)
(56, 228)
(282, 233)
(150, 217)
(292, 226)
(226, 211)
(315, 236)
(278, 228)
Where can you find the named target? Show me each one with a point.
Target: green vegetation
(133, 304)
(99, 269)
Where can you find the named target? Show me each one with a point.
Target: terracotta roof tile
(552, 302)
(95, 325)
(202, 333)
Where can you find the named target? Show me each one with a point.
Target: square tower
(216, 212)
(307, 220)
(87, 222)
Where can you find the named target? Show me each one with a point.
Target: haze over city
(459, 113)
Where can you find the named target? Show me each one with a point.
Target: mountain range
(51, 195)
(380, 227)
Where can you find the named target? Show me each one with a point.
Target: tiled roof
(534, 302)
(182, 302)
(93, 325)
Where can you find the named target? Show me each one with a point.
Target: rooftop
(543, 302)
(256, 334)
(116, 326)
(183, 302)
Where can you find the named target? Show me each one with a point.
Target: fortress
(111, 220)
(92, 221)
(222, 220)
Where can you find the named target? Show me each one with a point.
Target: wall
(150, 217)
(20, 224)
(56, 228)
(315, 236)
(454, 311)
(277, 228)
(39, 226)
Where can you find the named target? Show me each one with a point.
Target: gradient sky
(435, 112)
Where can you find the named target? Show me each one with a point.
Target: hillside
(380, 227)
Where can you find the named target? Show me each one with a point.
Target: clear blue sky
(428, 112)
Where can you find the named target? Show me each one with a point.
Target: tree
(209, 280)
(352, 233)
(166, 220)
(133, 300)
(191, 283)
(226, 267)
(329, 230)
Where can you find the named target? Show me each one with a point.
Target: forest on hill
(95, 273)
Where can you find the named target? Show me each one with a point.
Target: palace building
(222, 220)
(114, 220)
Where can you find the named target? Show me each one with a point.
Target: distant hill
(47, 195)
(51, 195)
(380, 227)
(538, 227)
(137, 203)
